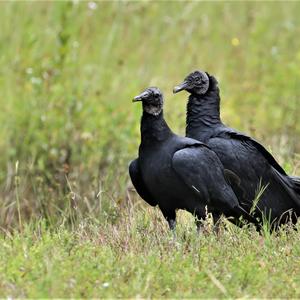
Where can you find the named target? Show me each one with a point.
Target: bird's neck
(203, 112)
(154, 128)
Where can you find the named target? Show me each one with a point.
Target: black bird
(176, 172)
(255, 168)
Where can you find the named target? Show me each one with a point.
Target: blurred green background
(68, 72)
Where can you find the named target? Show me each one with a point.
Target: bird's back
(258, 172)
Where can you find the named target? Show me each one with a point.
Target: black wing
(251, 142)
(138, 183)
(201, 170)
(295, 181)
(289, 183)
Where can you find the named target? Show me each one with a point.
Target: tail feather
(291, 184)
(295, 178)
(296, 183)
(247, 216)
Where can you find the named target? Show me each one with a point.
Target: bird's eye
(156, 95)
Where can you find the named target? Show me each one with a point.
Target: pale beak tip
(177, 89)
(136, 99)
(180, 87)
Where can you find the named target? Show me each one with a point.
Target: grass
(70, 223)
(140, 258)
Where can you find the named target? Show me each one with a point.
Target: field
(71, 223)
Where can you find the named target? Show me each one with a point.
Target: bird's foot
(202, 229)
(172, 224)
(217, 229)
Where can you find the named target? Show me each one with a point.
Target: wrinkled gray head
(152, 99)
(197, 83)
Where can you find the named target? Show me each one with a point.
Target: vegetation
(138, 257)
(71, 225)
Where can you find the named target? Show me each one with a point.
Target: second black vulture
(255, 168)
(176, 172)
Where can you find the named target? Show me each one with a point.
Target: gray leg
(198, 224)
(200, 217)
(216, 218)
(170, 216)
(172, 224)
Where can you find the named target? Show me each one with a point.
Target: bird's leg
(199, 222)
(170, 216)
(216, 219)
(172, 224)
(200, 226)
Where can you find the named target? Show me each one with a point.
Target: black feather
(180, 173)
(246, 158)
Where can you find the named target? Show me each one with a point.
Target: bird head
(196, 82)
(152, 99)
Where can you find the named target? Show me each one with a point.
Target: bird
(259, 182)
(175, 172)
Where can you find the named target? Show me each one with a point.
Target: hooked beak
(180, 87)
(140, 97)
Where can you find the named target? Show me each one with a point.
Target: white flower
(29, 70)
(274, 50)
(92, 5)
(36, 80)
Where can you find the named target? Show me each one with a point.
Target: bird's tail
(296, 184)
(241, 212)
(291, 184)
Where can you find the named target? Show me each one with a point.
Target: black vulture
(176, 172)
(255, 168)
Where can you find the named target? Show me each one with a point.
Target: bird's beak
(140, 97)
(180, 87)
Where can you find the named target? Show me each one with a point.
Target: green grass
(69, 219)
(143, 259)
